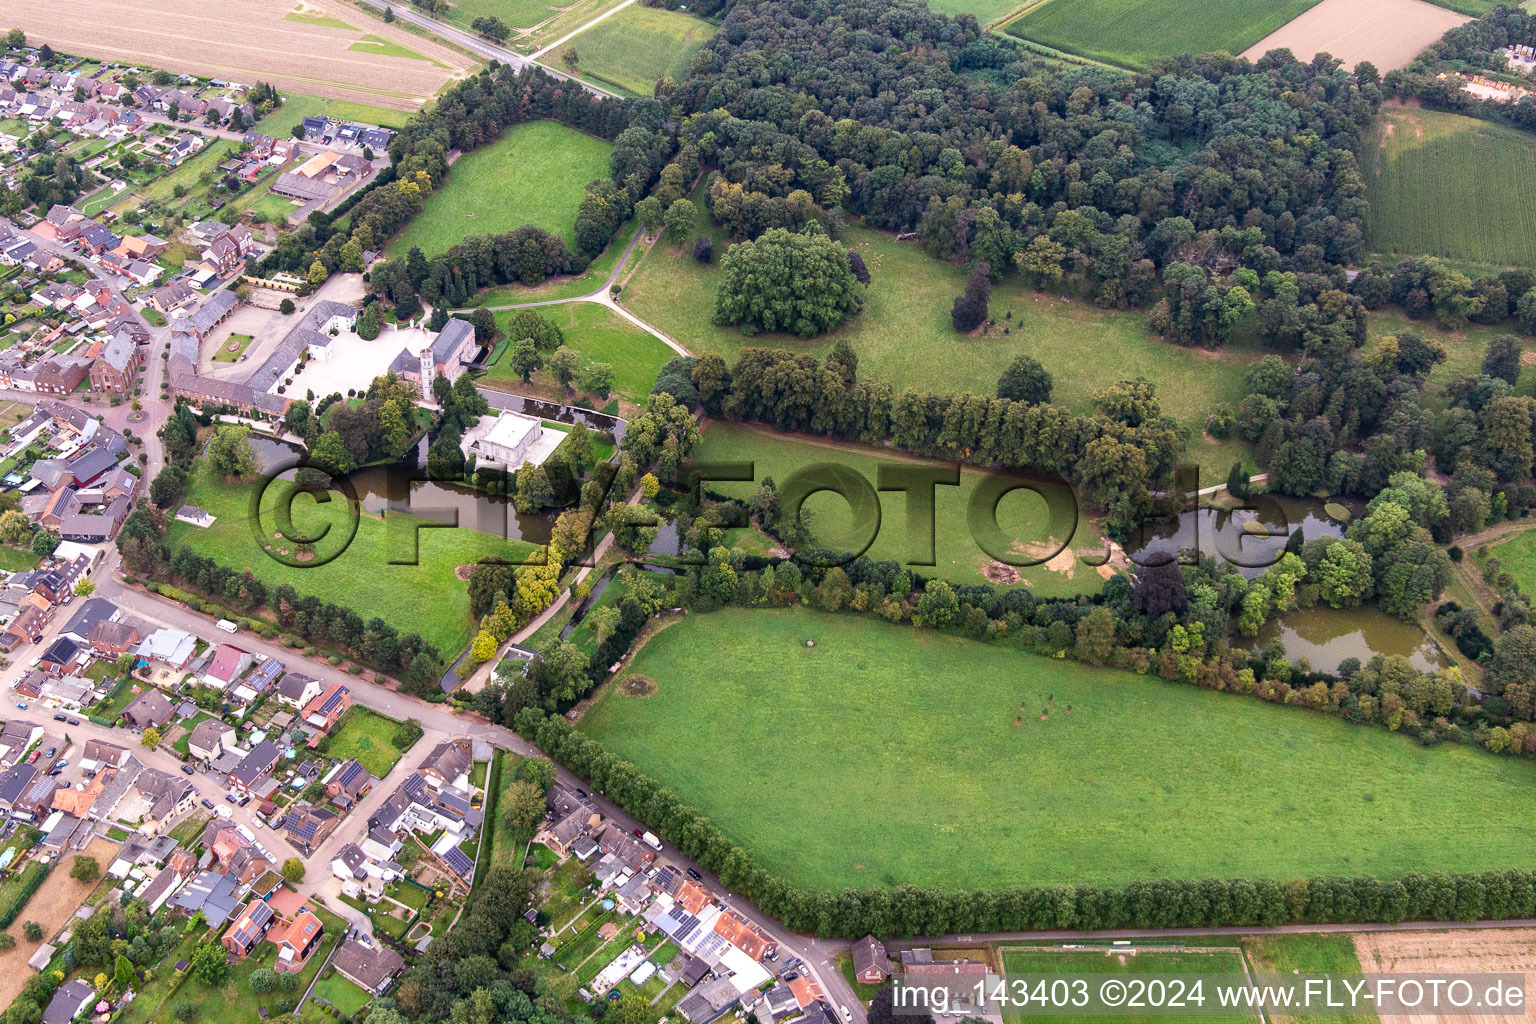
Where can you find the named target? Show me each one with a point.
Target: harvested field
(310, 56)
(1388, 33)
(1491, 950)
(50, 907)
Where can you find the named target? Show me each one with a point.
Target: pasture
(534, 174)
(904, 335)
(313, 55)
(426, 597)
(1133, 33)
(600, 336)
(1124, 963)
(1023, 517)
(965, 765)
(1388, 33)
(988, 12)
(1446, 185)
(513, 13)
(638, 46)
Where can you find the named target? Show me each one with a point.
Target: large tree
(230, 452)
(783, 281)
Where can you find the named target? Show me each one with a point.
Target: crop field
(602, 336)
(1388, 33)
(534, 174)
(965, 765)
(1022, 516)
(904, 336)
(1125, 963)
(312, 55)
(1446, 185)
(426, 597)
(639, 46)
(1133, 33)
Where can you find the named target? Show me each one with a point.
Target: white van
(226, 626)
(649, 839)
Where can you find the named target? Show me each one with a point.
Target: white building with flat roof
(510, 439)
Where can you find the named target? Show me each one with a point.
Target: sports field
(426, 598)
(639, 46)
(1446, 185)
(904, 335)
(1133, 33)
(600, 336)
(1023, 517)
(885, 755)
(1125, 963)
(534, 174)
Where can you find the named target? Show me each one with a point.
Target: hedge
(909, 910)
(29, 887)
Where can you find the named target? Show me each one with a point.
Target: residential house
(98, 754)
(14, 782)
(173, 647)
(326, 710)
(69, 1001)
(257, 681)
(249, 928)
(62, 224)
(254, 765)
(307, 826)
(235, 854)
(209, 739)
(111, 640)
(227, 665)
(63, 657)
(295, 689)
(92, 611)
(347, 783)
(448, 764)
(299, 938)
(150, 709)
(373, 970)
(212, 893)
(169, 298)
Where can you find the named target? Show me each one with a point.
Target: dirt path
(51, 906)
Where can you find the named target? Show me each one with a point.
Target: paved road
(484, 47)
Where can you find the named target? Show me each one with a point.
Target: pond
(1226, 535)
(401, 487)
(1327, 637)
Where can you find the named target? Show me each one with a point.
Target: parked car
(638, 833)
(63, 763)
(187, 769)
(33, 756)
(22, 704)
(230, 797)
(847, 1016)
(581, 792)
(52, 751)
(74, 721)
(206, 803)
(61, 718)
(244, 800)
(693, 874)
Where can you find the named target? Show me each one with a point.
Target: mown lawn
(885, 756)
(369, 737)
(425, 597)
(534, 174)
(1446, 185)
(904, 335)
(1119, 962)
(1024, 518)
(1133, 33)
(637, 47)
(342, 994)
(601, 336)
